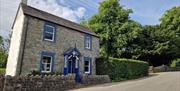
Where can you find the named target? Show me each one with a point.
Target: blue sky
(146, 12)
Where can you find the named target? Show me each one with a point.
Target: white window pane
(87, 66)
(46, 63)
(86, 63)
(86, 69)
(46, 59)
(48, 36)
(87, 42)
(49, 29)
(49, 32)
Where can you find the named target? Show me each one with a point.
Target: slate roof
(28, 10)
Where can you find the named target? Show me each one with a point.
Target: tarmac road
(166, 81)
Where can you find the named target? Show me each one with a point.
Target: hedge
(122, 69)
(176, 63)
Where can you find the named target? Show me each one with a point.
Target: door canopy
(72, 52)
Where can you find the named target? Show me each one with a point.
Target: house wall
(65, 38)
(16, 43)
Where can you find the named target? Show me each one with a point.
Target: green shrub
(2, 70)
(3, 59)
(176, 63)
(36, 72)
(122, 69)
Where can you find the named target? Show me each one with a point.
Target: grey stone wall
(65, 38)
(50, 83)
(39, 83)
(94, 79)
(164, 68)
(2, 79)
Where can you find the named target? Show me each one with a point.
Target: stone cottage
(47, 43)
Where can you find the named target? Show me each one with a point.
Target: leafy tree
(166, 38)
(3, 51)
(129, 40)
(162, 42)
(1, 41)
(156, 45)
(122, 37)
(3, 59)
(107, 23)
(3, 54)
(170, 24)
(171, 20)
(83, 22)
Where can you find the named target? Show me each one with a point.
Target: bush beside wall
(176, 63)
(2, 70)
(122, 69)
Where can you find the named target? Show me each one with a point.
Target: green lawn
(2, 70)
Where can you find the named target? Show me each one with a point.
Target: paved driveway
(167, 81)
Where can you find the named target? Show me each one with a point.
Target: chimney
(24, 2)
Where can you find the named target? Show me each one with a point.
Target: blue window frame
(87, 65)
(47, 62)
(87, 41)
(49, 32)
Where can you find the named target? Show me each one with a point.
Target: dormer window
(49, 32)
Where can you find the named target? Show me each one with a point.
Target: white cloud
(53, 7)
(80, 12)
(8, 10)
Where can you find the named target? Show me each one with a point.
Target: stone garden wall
(163, 68)
(48, 83)
(2, 79)
(94, 79)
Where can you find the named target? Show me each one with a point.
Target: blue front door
(71, 66)
(71, 63)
